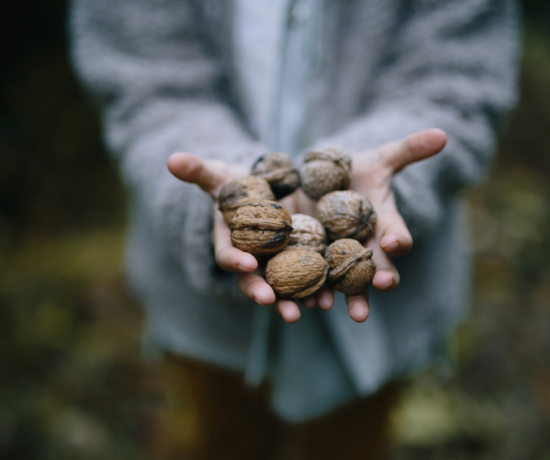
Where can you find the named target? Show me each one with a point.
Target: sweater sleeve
(453, 65)
(163, 88)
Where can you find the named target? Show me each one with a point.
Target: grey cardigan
(165, 73)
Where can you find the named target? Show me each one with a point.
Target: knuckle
(225, 255)
(220, 255)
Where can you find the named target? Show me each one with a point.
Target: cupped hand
(372, 176)
(210, 176)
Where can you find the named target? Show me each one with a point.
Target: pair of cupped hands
(372, 175)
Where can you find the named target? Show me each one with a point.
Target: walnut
(308, 233)
(351, 266)
(347, 214)
(241, 191)
(261, 227)
(297, 273)
(324, 171)
(277, 169)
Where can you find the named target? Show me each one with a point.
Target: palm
(372, 176)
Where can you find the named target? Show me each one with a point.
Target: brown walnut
(347, 214)
(241, 191)
(351, 266)
(297, 273)
(261, 227)
(324, 171)
(308, 233)
(279, 171)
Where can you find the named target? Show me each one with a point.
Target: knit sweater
(166, 76)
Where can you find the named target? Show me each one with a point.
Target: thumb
(416, 147)
(208, 175)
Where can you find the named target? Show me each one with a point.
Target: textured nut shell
(279, 171)
(347, 214)
(308, 233)
(351, 266)
(242, 191)
(324, 171)
(297, 273)
(261, 227)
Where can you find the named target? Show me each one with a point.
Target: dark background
(72, 381)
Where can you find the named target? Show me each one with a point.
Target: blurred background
(72, 380)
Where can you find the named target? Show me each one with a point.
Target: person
(222, 82)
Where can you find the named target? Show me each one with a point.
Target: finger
(208, 175)
(386, 278)
(253, 286)
(416, 147)
(395, 236)
(309, 302)
(325, 298)
(358, 307)
(304, 203)
(228, 257)
(288, 310)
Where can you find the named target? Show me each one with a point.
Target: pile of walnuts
(300, 261)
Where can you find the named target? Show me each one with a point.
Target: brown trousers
(215, 417)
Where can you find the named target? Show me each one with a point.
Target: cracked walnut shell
(279, 171)
(351, 266)
(308, 233)
(241, 191)
(297, 273)
(324, 171)
(261, 227)
(347, 214)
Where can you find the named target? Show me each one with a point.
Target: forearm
(158, 82)
(422, 189)
(454, 68)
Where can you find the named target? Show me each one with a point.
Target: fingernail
(392, 245)
(389, 286)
